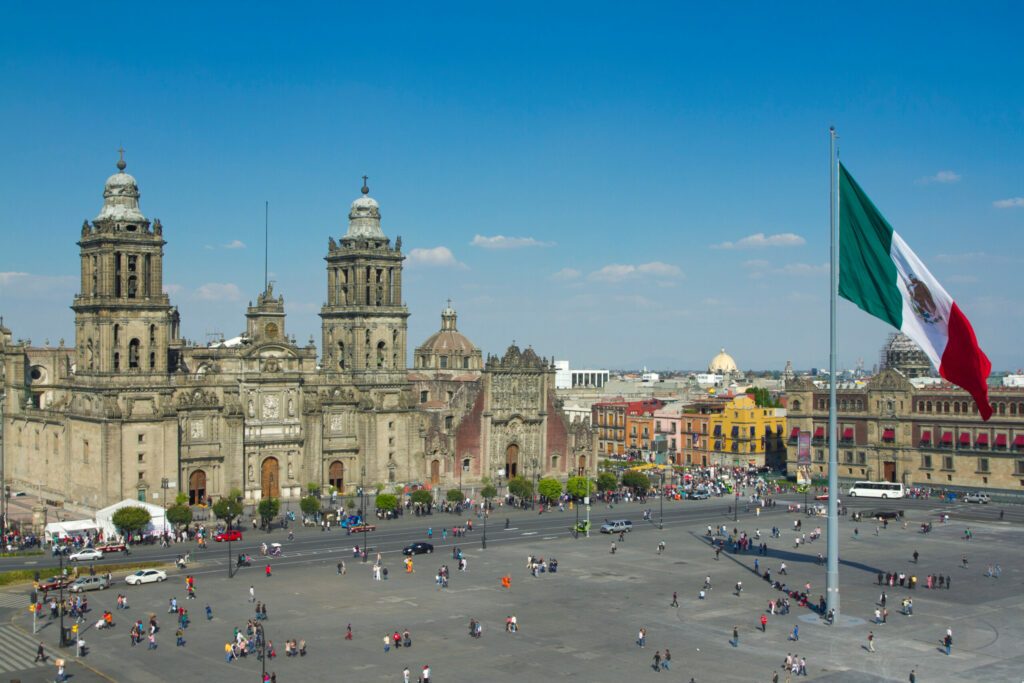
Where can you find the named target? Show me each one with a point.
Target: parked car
(54, 583)
(146, 576)
(977, 497)
(616, 526)
(418, 548)
(698, 495)
(85, 555)
(886, 514)
(89, 583)
(229, 535)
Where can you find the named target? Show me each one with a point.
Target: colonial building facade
(921, 432)
(132, 410)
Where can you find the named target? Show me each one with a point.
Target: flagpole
(832, 568)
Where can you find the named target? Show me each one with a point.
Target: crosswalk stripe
(17, 650)
(14, 600)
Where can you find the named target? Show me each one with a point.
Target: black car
(886, 514)
(418, 548)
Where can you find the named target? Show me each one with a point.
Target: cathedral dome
(448, 339)
(722, 364)
(364, 217)
(121, 198)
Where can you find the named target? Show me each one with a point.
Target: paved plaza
(582, 622)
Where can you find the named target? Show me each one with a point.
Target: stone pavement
(581, 623)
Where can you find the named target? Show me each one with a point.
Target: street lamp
(362, 511)
(536, 481)
(60, 606)
(661, 503)
(736, 507)
(263, 650)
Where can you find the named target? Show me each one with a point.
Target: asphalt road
(392, 535)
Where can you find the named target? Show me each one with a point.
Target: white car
(146, 576)
(86, 555)
(977, 498)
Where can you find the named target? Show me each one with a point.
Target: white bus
(876, 489)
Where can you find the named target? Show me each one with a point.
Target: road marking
(513, 528)
(17, 650)
(530, 533)
(549, 538)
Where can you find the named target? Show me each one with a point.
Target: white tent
(157, 524)
(70, 528)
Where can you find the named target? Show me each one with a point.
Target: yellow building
(745, 434)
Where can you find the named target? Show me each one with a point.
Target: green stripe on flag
(867, 275)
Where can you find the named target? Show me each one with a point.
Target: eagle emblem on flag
(922, 301)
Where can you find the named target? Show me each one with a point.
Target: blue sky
(629, 159)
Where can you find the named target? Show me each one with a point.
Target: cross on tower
(366, 189)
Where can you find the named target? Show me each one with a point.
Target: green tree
(454, 496)
(131, 519)
(181, 498)
(313, 489)
(351, 504)
(387, 502)
(379, 488)
(606, 481)
(579, 487)
(638, 481)
(550, 488)
(763, 398)
(310, 506)
(180, 515)
(488, 492)
(520, 487)
(268, 509)
(229, 508)
(422, 497)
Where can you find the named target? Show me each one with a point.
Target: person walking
(656, 665)
(675, 600)
(425, 676)
(641, 637)
(40, 653)
(913, 676)
(764, 623)
(916, 555)
(252, 594)
(735, 636)
(947, 642)
(871, 641)
(666, 661)
(796, 633)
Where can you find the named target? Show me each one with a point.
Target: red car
(229, 535)
(54, 583)
(111, 548)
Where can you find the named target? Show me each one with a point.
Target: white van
(616, 526)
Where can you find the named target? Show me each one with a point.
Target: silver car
(977, 498)
(89, 583)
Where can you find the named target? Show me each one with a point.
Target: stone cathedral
(134, 411)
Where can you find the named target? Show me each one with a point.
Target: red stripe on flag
(964, 363)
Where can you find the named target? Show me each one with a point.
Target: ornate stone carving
(337, 422)
(270, 407)
(197, 429)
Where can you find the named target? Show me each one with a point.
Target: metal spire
(366, 189)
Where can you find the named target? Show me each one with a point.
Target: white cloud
(172, 290)
(566, 274)
(942, 177)
(503, 242)
(759, 240)
(756, 264)
(1011, 203)
(218, 291)
(441, 257)
(617, 272)
(235, 244)
(19, 285)
(759, 269)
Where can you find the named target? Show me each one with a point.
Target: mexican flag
(882, 275)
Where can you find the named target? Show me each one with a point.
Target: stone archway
(270, 478)
(336, 476)
(512, 460)
(435, 472)
(581, 465)
(197, 488)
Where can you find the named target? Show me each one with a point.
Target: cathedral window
(424, 396)
(381, 351)
(95, 275)
(117, 273)
(117, 335)
(152, 360)
(444, 362)
(448, 421)
(117, 361)
(341, 355)
(85, 452)
(152, 335)
(133, 354)
(465, 363)
(147, 275)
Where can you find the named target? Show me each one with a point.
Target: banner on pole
(803, 458)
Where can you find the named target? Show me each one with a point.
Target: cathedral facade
(133, 411)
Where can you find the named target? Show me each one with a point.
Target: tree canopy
(422, 497)
(520, 487)
(488, 492)
(268, 509)
(550, 488)
(229, 508)
(310, 505)
(579, 487)
(454, 496)
(606, 481)
(387, 501)
(131, 519)
(638, 481)
(179, 515)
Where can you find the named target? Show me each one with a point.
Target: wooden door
(435, 472)
(890, 471)
(511, 461)
(336, 476)
(197, 488)
(270, 478)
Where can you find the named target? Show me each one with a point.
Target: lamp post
(661, 503)
(60, 606)
(263, 650)
(736, 506)
(536, 481)
(362, 511)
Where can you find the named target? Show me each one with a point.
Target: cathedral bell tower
(364, 319)
(123, 319)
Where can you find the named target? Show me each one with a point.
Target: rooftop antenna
(266, 243)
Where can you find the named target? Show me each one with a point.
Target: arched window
(381, 351)
(929, 406)
(796, 405)
(117, 335)
(956, 406)
(152, 360)
(133, 354)
(1002, 409)
(341, 355)
(945, 407)
(117, 361)
(152, 335)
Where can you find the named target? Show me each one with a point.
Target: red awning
(819, 433)
(889, 434)
(926, 437)
(848, 434)
(947, 437)
(965, 439)
(1001, 440)
(982, 440)
(793, 434)
(1018, 441)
